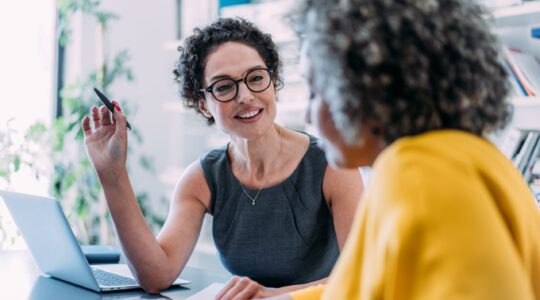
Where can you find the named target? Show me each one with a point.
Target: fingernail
(117, 106)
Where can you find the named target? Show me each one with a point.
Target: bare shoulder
(295, 146)
(192, 186)
(342, 184)
(342, 189)
(297, 143)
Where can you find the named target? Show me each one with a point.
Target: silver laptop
(48, 235)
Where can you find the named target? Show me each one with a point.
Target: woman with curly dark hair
(412, 87)
(277, 207)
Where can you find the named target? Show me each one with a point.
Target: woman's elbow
(155, 288)
(155, 284)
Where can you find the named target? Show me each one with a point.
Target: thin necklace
(253, 199)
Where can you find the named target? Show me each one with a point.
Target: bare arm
(342, 189)
(191, 200)
(154, 264)
(157, 262)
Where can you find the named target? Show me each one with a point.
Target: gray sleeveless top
(287, 237)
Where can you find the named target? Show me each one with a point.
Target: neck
(366, 154)
(256, 158)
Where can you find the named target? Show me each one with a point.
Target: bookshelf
(526, 113)
(517, 15)
(513, 25)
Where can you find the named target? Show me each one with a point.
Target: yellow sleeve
(436, 223)
(312, 292)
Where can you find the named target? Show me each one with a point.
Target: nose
(244, 94)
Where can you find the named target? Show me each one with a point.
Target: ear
(203, 109)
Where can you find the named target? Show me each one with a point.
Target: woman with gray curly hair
(276, 205)
(411, 88)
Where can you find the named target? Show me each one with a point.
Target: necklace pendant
(253, 202)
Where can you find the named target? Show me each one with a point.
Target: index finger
(227, 287)
(87, 130)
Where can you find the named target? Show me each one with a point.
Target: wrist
(112, 175)
(271, 292)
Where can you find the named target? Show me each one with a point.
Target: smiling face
(249, 114)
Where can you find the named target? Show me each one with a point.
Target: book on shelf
(536, 167)
(529, 66)
(523, 150)
(535, 32)
(535, 187)
(532, 161)
(517, 88)
(511, 142)
(524, 69)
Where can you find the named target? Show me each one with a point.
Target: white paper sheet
(209, 292)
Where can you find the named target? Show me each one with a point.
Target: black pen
(108, 103)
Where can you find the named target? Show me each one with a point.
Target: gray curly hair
(405, 67)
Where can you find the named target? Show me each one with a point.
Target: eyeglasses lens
(256, 80)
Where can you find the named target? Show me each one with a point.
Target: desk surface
(20, 279)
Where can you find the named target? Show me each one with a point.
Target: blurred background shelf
(513, 26)
(517, 15)
(526, 113)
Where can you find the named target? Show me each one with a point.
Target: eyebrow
(222, 76)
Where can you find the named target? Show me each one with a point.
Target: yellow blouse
(446, 216)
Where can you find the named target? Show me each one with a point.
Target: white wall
(26, 82)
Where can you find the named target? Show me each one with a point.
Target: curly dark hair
(405, 67)
(189, 69)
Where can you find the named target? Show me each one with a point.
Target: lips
(251, 113)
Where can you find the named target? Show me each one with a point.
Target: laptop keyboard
(105, 278)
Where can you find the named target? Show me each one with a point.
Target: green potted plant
(73, 180)
(18, 152)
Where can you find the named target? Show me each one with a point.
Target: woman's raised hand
(106, 142)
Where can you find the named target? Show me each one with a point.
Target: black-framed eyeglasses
(226, 89)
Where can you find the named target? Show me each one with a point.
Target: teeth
(248, 115)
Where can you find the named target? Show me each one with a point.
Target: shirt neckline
(293, 174)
